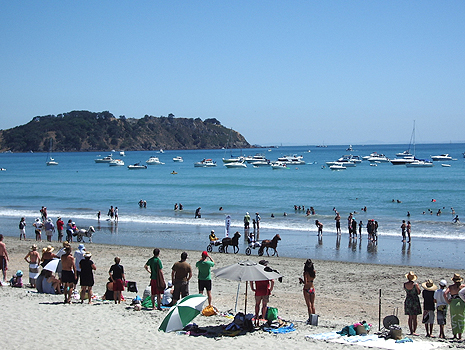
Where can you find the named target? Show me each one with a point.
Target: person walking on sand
(181, 273)
(33, 259)
(441, 307)
(428, 306)
(68, 274)
(3, 258)
(117, 277)
(412, 306)
(457, 306)
(309, 288)
(403, 227)
(87, 267)
(262, 291)
(204, 278)
(60, 224)
(22, 228)
(154, 267)
(116, 214)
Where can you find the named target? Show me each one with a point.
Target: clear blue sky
(291, 72)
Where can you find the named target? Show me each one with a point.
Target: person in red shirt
(262, 291)
(60, 225)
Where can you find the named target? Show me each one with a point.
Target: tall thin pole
(379, 311)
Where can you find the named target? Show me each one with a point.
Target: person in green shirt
(205, 279)
(154, 267)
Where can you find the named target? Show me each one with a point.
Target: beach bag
(395, 332)
(271, 314)
(161, 281)
(132, 287)
(209, 310)
(244, 321)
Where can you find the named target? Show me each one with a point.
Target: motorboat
(378, 157)
(441, 157)
(292, 160)
(235, 165)
(445, 165)
(261, 163)
(154, 161)
(137, 166)
(402, 161)
(337, 167)
(349, 158)
(106, 159)
(205, 163)
(178, 159)
(405, 153)
(349, 148)
(419, 163)
(233, 159)
(256, 158)
(346, 163)
(279, 166)
(122, 154)
(116, 162)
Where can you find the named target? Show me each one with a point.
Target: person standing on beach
(338, 223)
(246, 220)
(154, 267)
(181, 273)
(22, 228)
(111, 212)
(38, 229)
(68, 274)
(309, 288)
(116, 214)
(197, 213)
(117, 277)
(403, 227)
(320, 227)
(78, 256)
(69, 231)
(49, 229)
(3, 258)
(409, 230)
(204, 277)
(257, 220)
(60, 224)
(428, 306)
(33, 259)
(87, 267)
(262, 291)
(457, 306)
(349, 224)
(441, 307)
(412, 306)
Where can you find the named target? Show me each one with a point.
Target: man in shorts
(262, 291)
(441, 307)
(154, 266)
(3, 258)
(68, 274)
(205, 279)
(181, 273)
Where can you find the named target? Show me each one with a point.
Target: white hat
(443, 283)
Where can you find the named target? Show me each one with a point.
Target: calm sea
(78, 188)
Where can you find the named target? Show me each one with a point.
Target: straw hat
(34, 247)
(49, 249)
(429, 285)
(411, 276)
(87, 255)
(457, 278)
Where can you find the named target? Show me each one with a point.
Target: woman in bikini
(309, 289)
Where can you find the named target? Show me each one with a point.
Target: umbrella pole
(245, 307)
(237, 296)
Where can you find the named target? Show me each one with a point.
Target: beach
(345, 293)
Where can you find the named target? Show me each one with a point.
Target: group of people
(435, 299)
(255, 221)
(49, 227)
(113, 213)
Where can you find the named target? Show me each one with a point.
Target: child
(441, 307)
(17, 280)
(320, 227)
(428, 306)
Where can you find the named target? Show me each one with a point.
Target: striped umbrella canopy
(183, 312)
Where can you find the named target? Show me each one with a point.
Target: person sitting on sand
(55, 282)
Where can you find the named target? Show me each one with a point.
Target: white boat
(50, 160)
(261, 163)
(419, 163)
(161, 151)
(235, 165)
(349, 148)
(350, 158)
(137, 166)
(279, 166)
(122, 154)
(154, 161)
(116, 162)
(205, 163)
(292, 160)
(405, 153)
(441, 157)
(256, 158)
(402, 161)
(106, 159)
(378, 157)
(337, 167)
(345, 163)
(233, 160)
(178, 159)
(445, 165)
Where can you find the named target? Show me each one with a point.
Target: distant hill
(90, 131)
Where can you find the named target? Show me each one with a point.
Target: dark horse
(270, 244)
(231, 241)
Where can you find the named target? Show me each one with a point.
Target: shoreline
(337, 284)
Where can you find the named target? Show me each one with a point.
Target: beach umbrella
(246, 271)
(183, 312)
(52, 265)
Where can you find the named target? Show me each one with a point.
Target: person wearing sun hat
(428, 306)
(441, 307)
(457, 306)
(87, 267)
(33, 259)
(47, 255)
(412, 304)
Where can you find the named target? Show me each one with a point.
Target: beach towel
(457, 316)
(33, 272)
(280, 330)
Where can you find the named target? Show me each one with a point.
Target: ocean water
(78, 188)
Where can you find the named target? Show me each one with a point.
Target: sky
(279, 72)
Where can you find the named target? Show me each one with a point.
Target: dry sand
(345, 293)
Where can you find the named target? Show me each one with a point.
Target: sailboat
(50, 160)
(417, 163)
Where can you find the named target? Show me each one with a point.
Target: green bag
(271, 314)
